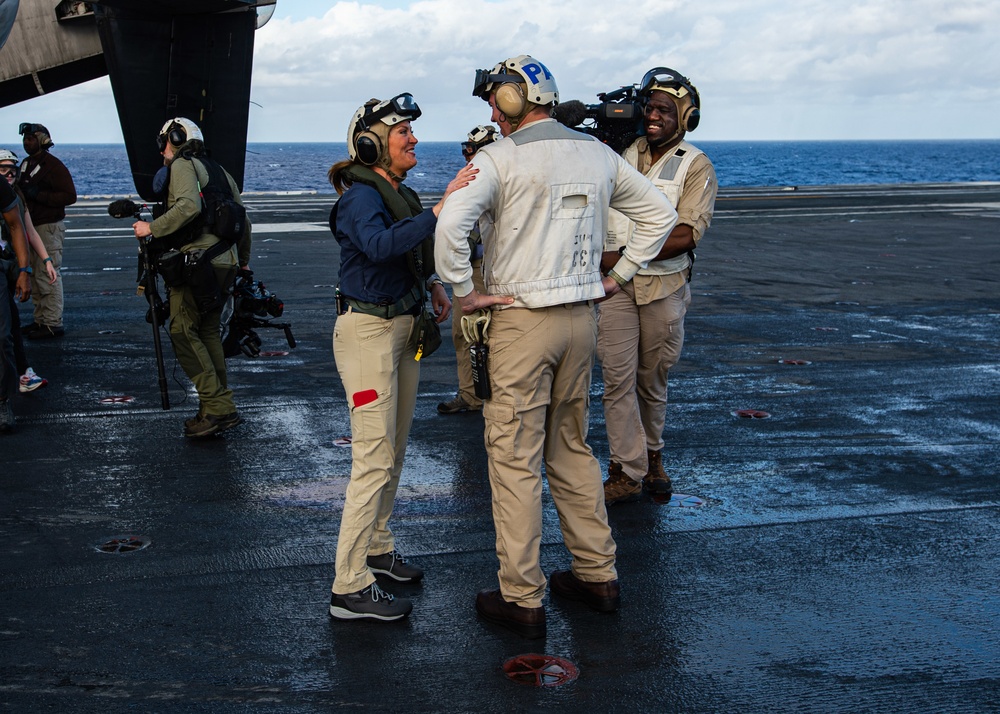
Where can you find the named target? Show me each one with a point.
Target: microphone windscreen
(571, 113)
(122, 208)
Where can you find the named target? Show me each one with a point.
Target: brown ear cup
(510, 99)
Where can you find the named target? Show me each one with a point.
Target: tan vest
(668, 175)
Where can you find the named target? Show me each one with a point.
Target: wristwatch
(26, 269)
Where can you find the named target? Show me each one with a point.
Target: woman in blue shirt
(386, 264)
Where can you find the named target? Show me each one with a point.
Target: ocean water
(101, 169)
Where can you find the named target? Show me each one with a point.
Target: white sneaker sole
(341, 613)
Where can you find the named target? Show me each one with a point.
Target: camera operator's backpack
(222, 214)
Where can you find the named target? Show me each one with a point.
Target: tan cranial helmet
(681, 92)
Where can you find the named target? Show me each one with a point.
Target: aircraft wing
(165, 58)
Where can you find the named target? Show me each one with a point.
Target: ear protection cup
(177, 136)
(510, 99)
(368, 147)
(690, 118)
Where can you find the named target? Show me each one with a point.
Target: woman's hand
(465, 175)
(440, 302)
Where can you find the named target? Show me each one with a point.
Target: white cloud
(795, 69)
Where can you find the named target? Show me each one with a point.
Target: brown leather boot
(656, 480)
(603, 597)
(529, 622)
(619, 488)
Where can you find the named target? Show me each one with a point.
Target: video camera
(252, 306)
(616, 120)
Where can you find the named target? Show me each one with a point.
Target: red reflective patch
(365, 396)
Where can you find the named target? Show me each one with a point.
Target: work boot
(529, 622)
(603, 597)
(656, 480)
(619, 488)
(188, 423)
(457, 405)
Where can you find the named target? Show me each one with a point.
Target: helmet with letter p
(518, 85)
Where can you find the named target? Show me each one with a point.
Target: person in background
(546, 190)
(466, 399)
(48, 188)
(29, 381)
(209, 269)
(641, 329)
(14, 269)
(386, 268)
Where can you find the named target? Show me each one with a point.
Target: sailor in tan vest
(641, 328)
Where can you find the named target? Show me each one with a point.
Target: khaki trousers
(375, 360)
(48, 299)
(540, 366)
(466, 388)
(637, 346)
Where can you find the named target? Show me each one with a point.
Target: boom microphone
(123, 208)
(571, 113)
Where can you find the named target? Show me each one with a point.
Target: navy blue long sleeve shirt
(373, 248)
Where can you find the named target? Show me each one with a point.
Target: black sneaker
(395, 566)
(44, 332)
(372, 603)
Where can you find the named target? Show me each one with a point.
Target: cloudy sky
(781, 69)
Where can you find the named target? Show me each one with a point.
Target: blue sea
(102, 169)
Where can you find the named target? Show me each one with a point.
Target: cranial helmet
(178, 131)
(478, 138)
(517, 83)
(368, 132)
(6, 155)
(681, 91)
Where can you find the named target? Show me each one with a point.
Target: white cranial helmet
(363, 144)
(178, 131)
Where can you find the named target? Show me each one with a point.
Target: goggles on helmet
(28, 128)
(485, 79)
(402, 107)
(668, 80)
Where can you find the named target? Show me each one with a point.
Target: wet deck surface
(845, 558)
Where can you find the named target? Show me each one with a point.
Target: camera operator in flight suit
(641, 329)
(194, 321)
(466, 399)
(546, 189)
